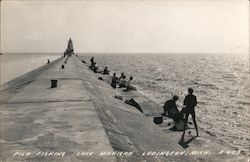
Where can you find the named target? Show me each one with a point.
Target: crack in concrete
(48, 101)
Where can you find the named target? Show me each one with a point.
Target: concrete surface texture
(81, 116)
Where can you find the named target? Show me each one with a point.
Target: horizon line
(96, 53)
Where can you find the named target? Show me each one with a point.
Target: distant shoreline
(21, 53)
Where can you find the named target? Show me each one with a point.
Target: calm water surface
(14, 65)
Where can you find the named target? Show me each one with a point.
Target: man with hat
(190, 102)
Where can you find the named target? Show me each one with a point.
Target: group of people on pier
(120, 81)
(169, 107)
(190, 102)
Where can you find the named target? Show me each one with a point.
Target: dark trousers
(113, 84)
(186, 120)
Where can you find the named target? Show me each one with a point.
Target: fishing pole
(104, 55)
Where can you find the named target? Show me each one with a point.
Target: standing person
(113, 82)
(92, 60)
(190, 102)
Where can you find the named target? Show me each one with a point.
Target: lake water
(14, 65)
(220, 82)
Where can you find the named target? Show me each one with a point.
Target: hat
(175, 97)
(190, 90)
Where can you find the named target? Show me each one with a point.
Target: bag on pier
(132, 102)
(158, 120)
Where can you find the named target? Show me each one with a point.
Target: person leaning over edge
(170, 107)
(190, 101)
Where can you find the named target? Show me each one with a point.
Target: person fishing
(128, 84)
(190, 102)
(122, 82)
(105, 70)
(93, 67)
(170, 107)
(48, 61)
(113, 81)
(92, 60)
(122, 75)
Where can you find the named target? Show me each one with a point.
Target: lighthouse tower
(70, 50)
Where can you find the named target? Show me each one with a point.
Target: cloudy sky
(165, 26)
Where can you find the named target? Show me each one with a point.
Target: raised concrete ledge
(30, 75)
(8, 89)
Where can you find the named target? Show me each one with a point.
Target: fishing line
(104, 55)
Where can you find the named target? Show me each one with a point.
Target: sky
(160, 26)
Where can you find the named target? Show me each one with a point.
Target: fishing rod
(104, 55)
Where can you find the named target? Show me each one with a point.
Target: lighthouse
(70, 50)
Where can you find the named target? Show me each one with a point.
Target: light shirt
(122, 81)
(128, 83)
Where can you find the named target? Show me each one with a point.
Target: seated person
(120, 77)
(105, 70)
(92, 60)
(171, 108)
(93, 67)
(128, 84)
(122, 82)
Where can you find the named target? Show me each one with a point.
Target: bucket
(53, 83)
(158, 120)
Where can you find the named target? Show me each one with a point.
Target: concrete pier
(80, 120)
